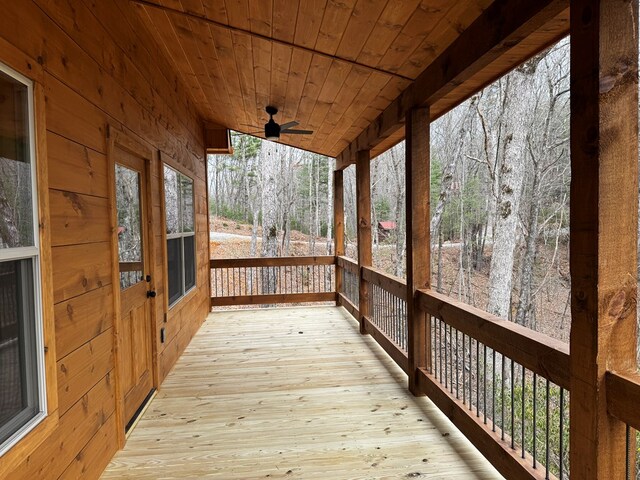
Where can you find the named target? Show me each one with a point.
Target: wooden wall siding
(333, 66)
(101, 68)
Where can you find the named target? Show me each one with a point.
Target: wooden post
(604, 207)
(338, 226)
(363, 194)
(417, 168)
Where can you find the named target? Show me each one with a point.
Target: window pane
(186, 197)
(129, 226)
(171, 201)
(18, 365)
(189, 262)
(174, 257)
(16, 213)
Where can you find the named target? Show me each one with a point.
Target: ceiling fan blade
(297, 132)
(291, 124)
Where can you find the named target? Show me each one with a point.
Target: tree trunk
(518, 112)
(269, 214)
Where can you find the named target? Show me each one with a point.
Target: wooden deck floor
(294, 393)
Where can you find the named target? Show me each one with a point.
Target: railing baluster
(457, 363)
(484, 382)
(512, 382)
(464, 370)
(493, 393)
(535, 418)
(523, 410)
(561, 453)
(502, 380)
(547, 433)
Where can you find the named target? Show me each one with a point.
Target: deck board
(293, 393)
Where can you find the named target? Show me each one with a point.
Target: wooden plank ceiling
(332, 65)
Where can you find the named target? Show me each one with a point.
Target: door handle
(151, 294)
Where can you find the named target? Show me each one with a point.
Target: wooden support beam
(417, 162)
(604, 218)
(338, 224)
(363, 195)
(503, 25)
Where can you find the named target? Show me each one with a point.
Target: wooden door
(135, 332)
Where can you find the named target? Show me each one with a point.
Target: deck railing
(505, 387)
(253, 281)
(349, 295)
(623, 399)
(387, 320)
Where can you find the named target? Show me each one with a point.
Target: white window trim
(33, 253)
(173, 236)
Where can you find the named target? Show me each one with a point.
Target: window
(181, 254)
(22, 382)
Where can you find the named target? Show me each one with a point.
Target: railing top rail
(271, 261)
(348, 264)
(395, 285)
(623, 397)
(537, 352)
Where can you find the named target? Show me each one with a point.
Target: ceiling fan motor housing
(271, 129)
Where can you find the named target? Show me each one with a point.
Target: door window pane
(129, 210)
(18, 367)
(16, 207)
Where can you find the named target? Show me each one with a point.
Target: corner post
(603, 219)
(417, 168)
(338, 227)
(363, 194)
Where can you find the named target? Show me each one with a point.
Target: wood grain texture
(271, 261)
(301, 407)
(387, 344)
(347, 264)
(94, 65)
(392, 284)
(418, 237)
(333, 66)
(77, 218)
(83, 368)
(76, 428)
(275, 298)
(604, 225)
(623, 397)
(78, 269)
(363, 212)
(82, 318)
(338, 223)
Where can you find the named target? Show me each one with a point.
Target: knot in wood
(621, 304)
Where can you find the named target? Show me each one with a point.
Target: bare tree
(519, 109)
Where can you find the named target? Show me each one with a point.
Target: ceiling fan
(273, 130)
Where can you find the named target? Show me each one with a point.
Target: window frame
(181, 235)
(34, 254)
